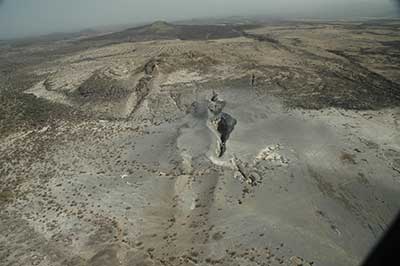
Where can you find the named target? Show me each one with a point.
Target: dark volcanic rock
(222, 122)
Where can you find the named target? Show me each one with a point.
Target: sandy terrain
(107, 157)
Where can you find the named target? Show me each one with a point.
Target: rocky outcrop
(222, 124)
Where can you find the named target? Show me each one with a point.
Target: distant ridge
(161, 30)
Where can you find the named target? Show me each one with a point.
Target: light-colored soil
(136, 182)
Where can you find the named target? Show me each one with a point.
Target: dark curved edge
(386, 252)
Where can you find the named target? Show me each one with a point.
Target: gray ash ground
(107, 157)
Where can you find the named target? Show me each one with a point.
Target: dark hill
(165, 31)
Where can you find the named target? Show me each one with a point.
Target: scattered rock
(242, 173)
(297, 261)
(271, 154)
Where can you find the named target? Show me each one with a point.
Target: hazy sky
(20, 18)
